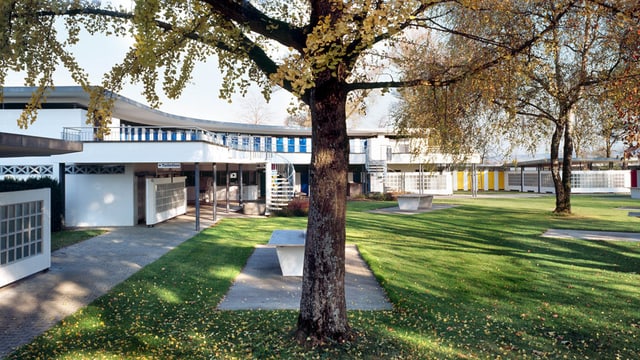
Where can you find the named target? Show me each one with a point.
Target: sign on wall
(173, 166)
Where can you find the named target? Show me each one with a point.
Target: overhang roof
(130, 110)
(15, 145)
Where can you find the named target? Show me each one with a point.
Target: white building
(151, 163)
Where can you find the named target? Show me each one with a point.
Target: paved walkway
(81, 273)
(592, 235)
(262, 286)
(396, 210)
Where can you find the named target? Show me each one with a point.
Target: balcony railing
(142, 134)
(234, 141)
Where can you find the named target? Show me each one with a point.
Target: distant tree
(627, 87)
(578, 56)
(455, 118)
(598, 126)
(578, 50)
(299, 118)
(255, 110)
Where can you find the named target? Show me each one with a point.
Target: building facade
(150, 164)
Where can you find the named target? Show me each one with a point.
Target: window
(291, 145)
(21, 233)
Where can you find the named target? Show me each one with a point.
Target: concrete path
(262, 286)
(397, 210)
(82, 272)
(592, 235)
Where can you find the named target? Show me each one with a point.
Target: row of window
(235, 141)
(266, 144)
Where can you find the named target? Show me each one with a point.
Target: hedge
(57, 217)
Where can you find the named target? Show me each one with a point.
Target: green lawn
(65, 238)
(473, 281)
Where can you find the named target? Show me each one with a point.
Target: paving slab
(592, 235)
(397, 210)
(261, 286)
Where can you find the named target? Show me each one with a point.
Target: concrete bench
(289, 246)
(415, 201)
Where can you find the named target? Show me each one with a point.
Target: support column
(197, 186)
(240, 186)
(268, 184)
(215, 192)
(474, 181)
(227, 189)
(420, 184)
(539, 179)
(63, 193)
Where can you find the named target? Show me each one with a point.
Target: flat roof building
(115, 179)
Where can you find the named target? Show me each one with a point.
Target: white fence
(25, 234)
(608, 181)
(434, 183)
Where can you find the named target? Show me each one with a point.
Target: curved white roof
(130, 110)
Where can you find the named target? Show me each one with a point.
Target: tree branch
(473, 70)
(246, 14)
(252, 50)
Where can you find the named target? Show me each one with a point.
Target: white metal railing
(606, 181)
(283, 183)
(434, 183)
(236, 141)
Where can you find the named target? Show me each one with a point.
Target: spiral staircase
(283, 181)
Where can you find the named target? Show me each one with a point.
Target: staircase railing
(283, 183)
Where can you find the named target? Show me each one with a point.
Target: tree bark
(323, 312)
(563, 206)
(555, 164)
(562, 177)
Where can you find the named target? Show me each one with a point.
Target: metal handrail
(234, 141)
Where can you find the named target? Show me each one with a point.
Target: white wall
(49, 124)
(377, 148)
(100, 200)
(147, 152)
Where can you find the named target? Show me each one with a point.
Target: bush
(296, 207)
(7, 185)
(387, 196)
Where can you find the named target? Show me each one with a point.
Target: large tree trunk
(563, 205)
(562, 183)
(555, 164)
(323, 311)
